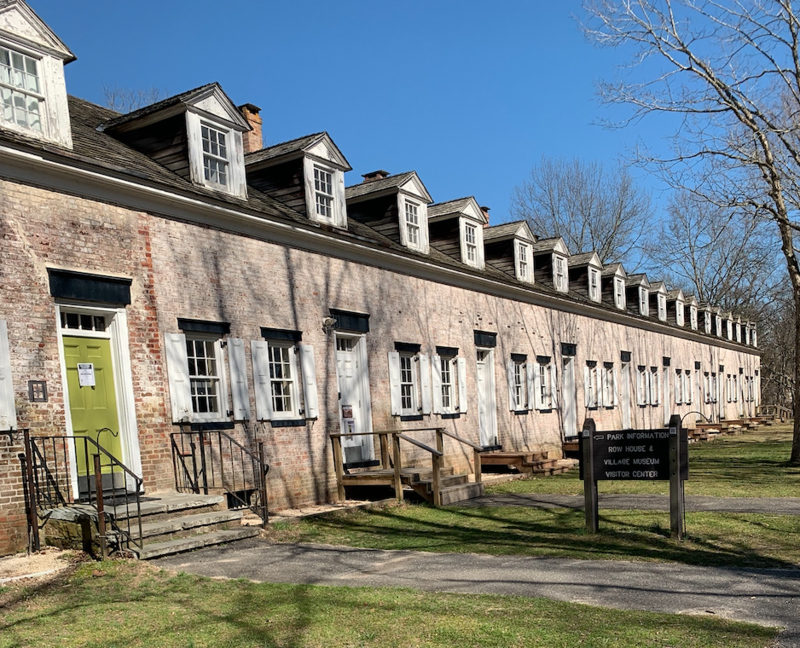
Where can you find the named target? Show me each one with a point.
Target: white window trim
(339, 218)
(463, 224)
(655, 387)
(560, 279)
(642, 386)
(518, 391)
(693, 317)
(422, 221)
(644, 301)
(221, 359)
(679, 315)
(590, 387)
(662, 307)
(527, 275)
(237, 181)
(296, 410)
(619, 293)
(594, 289)
(439, 385)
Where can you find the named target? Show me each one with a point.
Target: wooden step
(461, 492)
(180, 545)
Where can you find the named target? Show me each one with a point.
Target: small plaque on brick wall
(37, 391)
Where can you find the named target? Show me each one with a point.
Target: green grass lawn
(129, 605)
(715, 539)
(753, 464)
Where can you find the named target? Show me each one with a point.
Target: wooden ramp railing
(392, 472)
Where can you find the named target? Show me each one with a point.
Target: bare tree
(125, 100)
(731, 72)
(591, 206)
(723, 256)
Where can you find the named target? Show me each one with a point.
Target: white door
(353, 383)
(626, 395)
(486, 399)
(570, 399)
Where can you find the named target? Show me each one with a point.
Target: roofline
(34, 167)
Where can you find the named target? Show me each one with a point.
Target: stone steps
(179, 545)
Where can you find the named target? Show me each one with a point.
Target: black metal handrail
(210, 460)
(53, 464)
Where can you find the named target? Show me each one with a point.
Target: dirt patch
(42, 563)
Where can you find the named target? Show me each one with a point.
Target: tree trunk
(795, 456)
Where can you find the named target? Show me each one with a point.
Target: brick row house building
(161, 269)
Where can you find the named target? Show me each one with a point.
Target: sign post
(675, 481)
(589, 482)
(652, 455)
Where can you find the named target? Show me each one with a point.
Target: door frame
(491, 406)
(117, 334)
(360, 348)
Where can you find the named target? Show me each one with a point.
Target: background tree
(731, 72)
(125, 100)
(591, 206)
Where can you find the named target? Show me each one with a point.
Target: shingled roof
(504, 230)
(581, 259)
(284, 148)
(374, 186)
(448, 207)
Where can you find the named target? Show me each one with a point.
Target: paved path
(765, 596)
(771, 505)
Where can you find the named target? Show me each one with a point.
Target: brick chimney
(375, 175)
(252, 140)
(485, 211)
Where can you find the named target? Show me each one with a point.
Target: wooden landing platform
(535, 463)
(385, 477)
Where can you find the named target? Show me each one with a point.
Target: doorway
(569, 398)
(355, 416)
(487, 405)
(96, 373)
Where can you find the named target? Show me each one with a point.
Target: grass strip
(743, 540)
(753, 464)
(128, 605)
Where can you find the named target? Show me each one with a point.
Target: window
(523, 263)
(20, 92)
(215, 155)
(561, 279)
(608, 385)
(471, 247)
(662, 307)
(449, 382)
(82, 322)
(594, 288)
(643, 301)
(412, 225)
(591, 385)
(735, 385)
(718, 321)
(688, 387)
(545, 379)
(713, 394)
(680, 386)
(679, 313)
(693, 317)
(642, 386)
(619, 293)
(282, 380)
(519, 385)
(447, 365)
(408, 385)
(204, 377)
(655, 386)
(323, 192)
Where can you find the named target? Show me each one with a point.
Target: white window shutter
(461, 363)
(512, 404)
(437, 385)
(180, 390)
(238, 372)
(425, 382)
(394, 382)
(537, 388)
(309, 369)
(553, 388)
(260, 355)
(587, 387)
(532, 371)
(8, 411)
(615, 387)
(598, 383)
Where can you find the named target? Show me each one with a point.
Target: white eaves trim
(33, 168)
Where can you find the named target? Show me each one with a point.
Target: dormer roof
(658, 287)
(585, 259)
(209, 99)
(409, 181)
(554, 244)
(468, 207)
(317, 144)
(615, 269)
(516, 229)
(637, 280)
(690, 300)
(20, 23)
(673, 295)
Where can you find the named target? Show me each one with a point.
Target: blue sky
(470, 94)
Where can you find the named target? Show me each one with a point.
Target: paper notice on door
(347, 411)
(86, 374)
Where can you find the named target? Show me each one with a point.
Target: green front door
(92, 407)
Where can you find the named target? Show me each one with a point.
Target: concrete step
(180, 545)
(189, 523)
(168, 505)
(462, 492)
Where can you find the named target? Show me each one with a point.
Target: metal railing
(207, 461)
(52, 468)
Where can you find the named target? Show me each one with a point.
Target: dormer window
(643, 301)
(215, 155)
(679, 313)
(20, 92)
(523, 262)
(560, 274)
(662, 308)
(619, 293)
(693, 317)
(412, 225)
(323, 192)
(594, 284)
(469, 243)
(719, 326)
